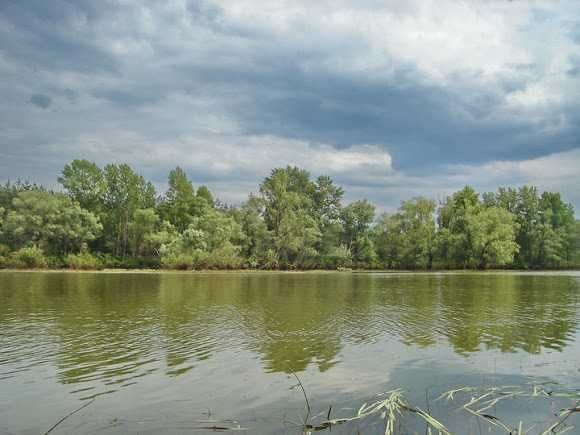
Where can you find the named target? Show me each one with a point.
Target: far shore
(276, 271)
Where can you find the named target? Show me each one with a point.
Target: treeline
(113, 217)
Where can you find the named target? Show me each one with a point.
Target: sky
(393, 99)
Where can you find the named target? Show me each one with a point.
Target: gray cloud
(435, 88)
(41, 100)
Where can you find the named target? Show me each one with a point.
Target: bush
(27, 258)
(84, 261)
(177, 261)
(225, 257)
(4, 254)
(338, 258)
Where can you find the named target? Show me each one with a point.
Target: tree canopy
(113, 217)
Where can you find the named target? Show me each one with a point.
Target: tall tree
(453, 236)
(407, 238)
(287, 195)
(180, 204)
(126, 191)
(85, 183)
(356, 219)
(492, 233)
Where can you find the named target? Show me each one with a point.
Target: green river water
(195, 352)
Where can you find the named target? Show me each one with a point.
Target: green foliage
(227, 256)
(111, 217)
(575, 245)
(178, 261)
(356, 219)
(288, 199)
(126, 192)
(210, 241)
(407, 238)
(85, 183)
(83, 261)
(9, 191)
(180, 204)
(545, 227)
(204, 194)
(338, 258)
(257, 241)
(30, 257)
(50, 220)
(491, 233)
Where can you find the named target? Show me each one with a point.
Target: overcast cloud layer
(392, 98)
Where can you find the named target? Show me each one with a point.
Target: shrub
(28, 258)
(4, 250)
(177, 261)
(338, 258)
(226, 256)
(4, 254)
(271, 260)
(84, 261)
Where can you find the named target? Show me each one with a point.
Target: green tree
(327, 207)
(287, 195)
(147, 233)
(51, 221)
(453, 238)
(356, 219)
(545, 224)
(204, 193)
(212, 240)
(575, 244)
(556, 231)
(492, 233)
(126, 192)
(85, 183)
(181, 204)
(408, 236)
(257, 242)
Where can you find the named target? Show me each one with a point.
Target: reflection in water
(115, 328)
(191, 340)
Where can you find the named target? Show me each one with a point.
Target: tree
(204, 194)
(327, 198)
(528, 217)
(575, 244)
(9, 191)
(356, 219)
(492, 234)
(407, 238)
(211, 240)
(126, 192)
(453, 238)
(545, 224)
(147, 233)
(181, 204)
(50, 221)
(84, 182)
(327, 206)
(284, 189)
(257, 242)
(556, 231)
(287, 196)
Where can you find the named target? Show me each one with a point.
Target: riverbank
(277, 271)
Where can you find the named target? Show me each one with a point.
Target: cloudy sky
(391, 98)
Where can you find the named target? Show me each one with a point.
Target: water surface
(182, 352)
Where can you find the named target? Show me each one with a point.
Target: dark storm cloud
(422, 124)
(41, 35)
(40, 100)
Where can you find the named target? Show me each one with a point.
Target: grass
(474, 401)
